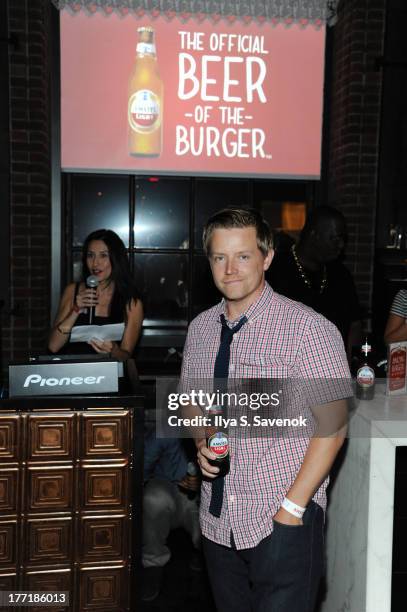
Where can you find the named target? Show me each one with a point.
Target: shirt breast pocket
(262, 366)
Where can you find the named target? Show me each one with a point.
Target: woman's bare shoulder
(69, 290)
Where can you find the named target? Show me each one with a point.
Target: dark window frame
(193, 251)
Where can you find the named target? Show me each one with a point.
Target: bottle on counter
(145, 99)
(217, 440)
(365, 375)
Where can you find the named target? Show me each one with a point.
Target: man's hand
(286, 518)
(208, 470)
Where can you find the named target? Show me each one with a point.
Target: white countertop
(384, 416)
(360, 512)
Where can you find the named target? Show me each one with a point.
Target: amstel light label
(365, 376)
(144, 111)
(219, 444)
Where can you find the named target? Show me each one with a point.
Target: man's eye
(244, 257)
(217, 258)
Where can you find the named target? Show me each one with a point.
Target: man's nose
(230, 265)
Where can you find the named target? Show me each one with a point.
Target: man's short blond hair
(229, 218)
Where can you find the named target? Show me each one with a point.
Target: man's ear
(268, 259)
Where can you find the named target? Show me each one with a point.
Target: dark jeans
(280, 574)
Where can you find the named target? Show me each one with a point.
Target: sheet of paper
(84, 333)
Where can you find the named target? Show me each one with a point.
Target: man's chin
(231, 295)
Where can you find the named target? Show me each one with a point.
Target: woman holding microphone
(110, 293)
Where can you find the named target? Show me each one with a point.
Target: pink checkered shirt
(281, 339)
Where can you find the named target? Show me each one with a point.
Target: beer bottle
(145, 100)
(365, 375)
(192, 470)
(217, 440)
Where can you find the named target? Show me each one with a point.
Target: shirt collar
(254, 310)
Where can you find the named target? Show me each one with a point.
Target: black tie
(221, 374)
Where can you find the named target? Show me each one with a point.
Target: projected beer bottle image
(145, 101)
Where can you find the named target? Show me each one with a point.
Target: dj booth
(71, 457)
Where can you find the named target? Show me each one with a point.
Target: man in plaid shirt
(265, 550)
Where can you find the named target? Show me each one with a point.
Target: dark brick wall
(393, 147)
(4, 164)
(26, 316)
(353, 166)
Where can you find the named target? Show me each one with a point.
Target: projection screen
(207, 97)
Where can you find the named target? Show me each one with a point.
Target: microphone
(92, 282)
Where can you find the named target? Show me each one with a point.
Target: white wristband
(293, 508)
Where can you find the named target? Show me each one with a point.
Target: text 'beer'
(145, 102)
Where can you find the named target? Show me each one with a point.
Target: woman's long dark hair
(125, 288)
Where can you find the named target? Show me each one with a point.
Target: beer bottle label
(365, 376)
(144, 111)
(218, 443)
(144, 48)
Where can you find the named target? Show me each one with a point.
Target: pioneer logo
(63, 378)
(37, 379)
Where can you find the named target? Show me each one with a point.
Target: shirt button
(232, 367)
(231, 498)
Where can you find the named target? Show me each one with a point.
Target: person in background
(311, 272)
(396, 328)
(115, 300)
(170, 500)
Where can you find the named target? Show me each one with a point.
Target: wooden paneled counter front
(70, 498)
